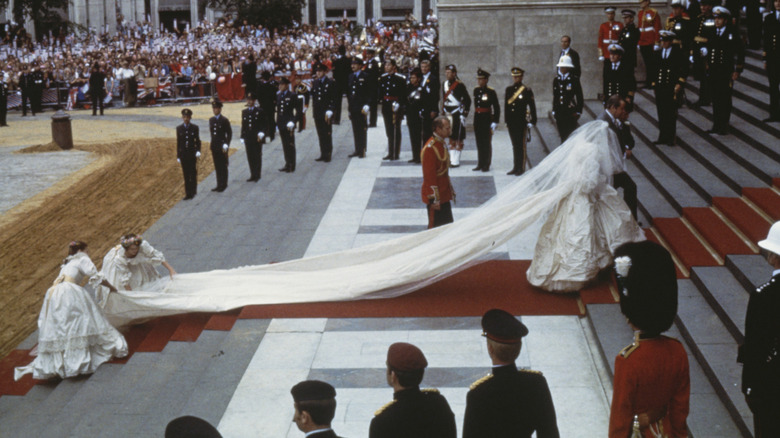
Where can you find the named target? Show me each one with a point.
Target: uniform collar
(406, 393)
(775, 273)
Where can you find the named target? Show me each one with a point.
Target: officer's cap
(616, 48)
(500, 326)
(720, 11)
(677, 4)
(565, 61)
(216, 103)
(667, 35)
(356, 60)
(321, 67)
(266, 75)
(186, 112)
(405, 357)
(309, 390)
(250, 96)
(647, 281)
(627, 13)
(190, 427)
(517, 71)
(284, 80)
(482, 74)
(452, 68)
(610, 9)
(391, 61)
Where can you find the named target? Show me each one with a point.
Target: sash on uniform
(516, 95)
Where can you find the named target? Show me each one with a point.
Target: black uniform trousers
(221, 167)
(442, 216)
(700, 73)
(566, 124)
(372, 111)
(517, 136)
(27, 98)
(254, 157)
(648, 56)
(622, 180)
(359, 131)
(189, 167)
(338, 101)
(427, 127)
(720, 80)
(773, 72)
(288, 146)
(36, 100)
(415, 124)
(667, 113)
(325, 135)
(3, 110)
(97, 99)
(392, 129)
(484, 139)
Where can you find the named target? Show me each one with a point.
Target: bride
(568, 192)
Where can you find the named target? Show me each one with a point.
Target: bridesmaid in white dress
(73, 335)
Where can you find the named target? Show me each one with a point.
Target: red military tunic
(649, 25)
(608, 34)
(436, 185)
(651, 377)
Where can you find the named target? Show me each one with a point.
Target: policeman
(608, 33)
(392, 90)
(455, 105)
(520, 116)
(315, 407)
(324, 94)
(3, 98)
(413, 413)
(508, 401)
(668, 84)
(725, 60)
(420, 104)
(628, 39)
(287, 112)
(252, 124)
(567, 99)
(358, 98)
(301, 90)
(221, 135)
(188, 152)
(373, 71)
(649, 24)
(771, 58)
(487, 114)
(703, 26)
(618, 78)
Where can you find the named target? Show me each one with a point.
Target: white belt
(647, 29)
(608, 41)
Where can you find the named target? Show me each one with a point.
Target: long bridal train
(583, 220)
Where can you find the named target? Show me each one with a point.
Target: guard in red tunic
(652, 386)
(609, 31)
(437, 191)
(649, 24)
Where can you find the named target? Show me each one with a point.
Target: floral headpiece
(622, 267)
(130, 241)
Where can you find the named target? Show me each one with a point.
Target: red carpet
(716, 232)
(16, 358)
(684, 243)
(766, 199)
(776, 182)
(745, 218)
(603, 292)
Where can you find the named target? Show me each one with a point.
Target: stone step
(725, 295)
(750, 271)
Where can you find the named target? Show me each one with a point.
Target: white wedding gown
(73, 336)
(136, 272)
(584, 219)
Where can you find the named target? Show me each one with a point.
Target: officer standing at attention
(392, 90)
(680, 23)
(358, 98)
(567, 99)
(420, 104)
(628, 39)
(373, 70)
(668, 83)
(487, 114)
(413, 413)
(301, 90)
(649, 26)
(508, 402)
(455, 104)
(437, 191)
(618, 77)
(266, 95)
(287, 110)
(3, 98)
(771, 58)
(188, 152)
(324, 94)
(703, 26)
(608, 33)
(725, 60)
(520, 116)
(252, 135)
(36, 99)
(315, 407)
(221, 135)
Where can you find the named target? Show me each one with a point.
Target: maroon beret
(402, 356)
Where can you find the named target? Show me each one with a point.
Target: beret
(405, 357)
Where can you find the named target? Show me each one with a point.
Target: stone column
(417, 11)
(77, 12)
(361, 12)
(97, 14)
(305, 12)
(193, 13)
(155, 5)
(320, 11)
(377, 10)
(110, 14)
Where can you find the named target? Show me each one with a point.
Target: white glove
(395, 107)
(224, 147)
(552, 113)
(493, 126)
(690, 59)
(601, 58)
(656, 47)
(463, 120)
(529, 126)
(178, 160)
(260, 135)
(290, 126)
(365, 109)
(328, 114)
(242, 141)
(703, 51)
(761, 9)
(304, 109)
(197, 154)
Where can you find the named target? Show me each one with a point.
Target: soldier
(221, 135)
(508, 401)
(567, 99)
(188, 152)
(420, 104)
(771, 58)
(649, 26)
(725, 60)
(97, 84)
(3, 98)
(287, 112)
(315, 407)
(392, 87)
(456, 103)
(324, 94)
(680, 23)
(373, 74)
(566, 50)
(759, 352)
(618, 77)
(26, 84)
(608, 33)
(413, 413)
(520, 116)
(668, 83)
(437, 191)
(487, 114)
(358, 98)
(703, 26)
(302, 92)
(628, 39)
(432, 85)
(252, 136)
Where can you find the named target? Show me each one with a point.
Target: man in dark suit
(315, 407)
(252, 135)
(567, 99)
(249, 75)
(725, 60)
(324, 94)
(420, 103)
(566, 50)
(97, 87)
(358, 97)
(432, 85)
(266, 95)
(188, 152)
(771, 59)
(508, 402)
(616, 115)
(618, 76)
(287, 113)
(26, 84)
(341, 69)
(413, 413)
(221, 134)
(668, 82)
(392, 87)
(520, 116)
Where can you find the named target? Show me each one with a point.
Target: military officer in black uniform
(760, 352)
(432, 85)
(703, 26)
(287, 112)
(413, 413)
(26, 84)
(618, 77)
(315, 407)
(3, 99)
(628, 39)
(681, 25)
(520, 116)
(36, 97)
(508, 402)
(221, 134)
(188, 152)
(358, 98)
(487, 114)
(392, 90)
(672, 69)
(303, 93)
(324, 94)
(373, 70)
(771, 58)
(725, 60)
(420, 104)
(455, 105)
(252, 124)
(567, 99)
(266, 95)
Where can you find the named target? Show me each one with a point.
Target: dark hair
(321, 411)
(614, 101)
(130, 239)
(408, 379)
(76, 246)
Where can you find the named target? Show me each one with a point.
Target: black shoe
(319, 159)
(326, 160)
(354, 154)
(712, 131)
(285, 169)
(251, 179)
(363, 155)
(215, 189)
(486, 169)
(476, 169)
(387, 157)
(93, 114)
(411, 161)
(187, 198)
(221, 189)
(512, 172)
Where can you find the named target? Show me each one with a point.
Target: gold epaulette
(526, 370)
(383, 408)
(490, 88)
(481, 381)
(624, 353)
(430, 390)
